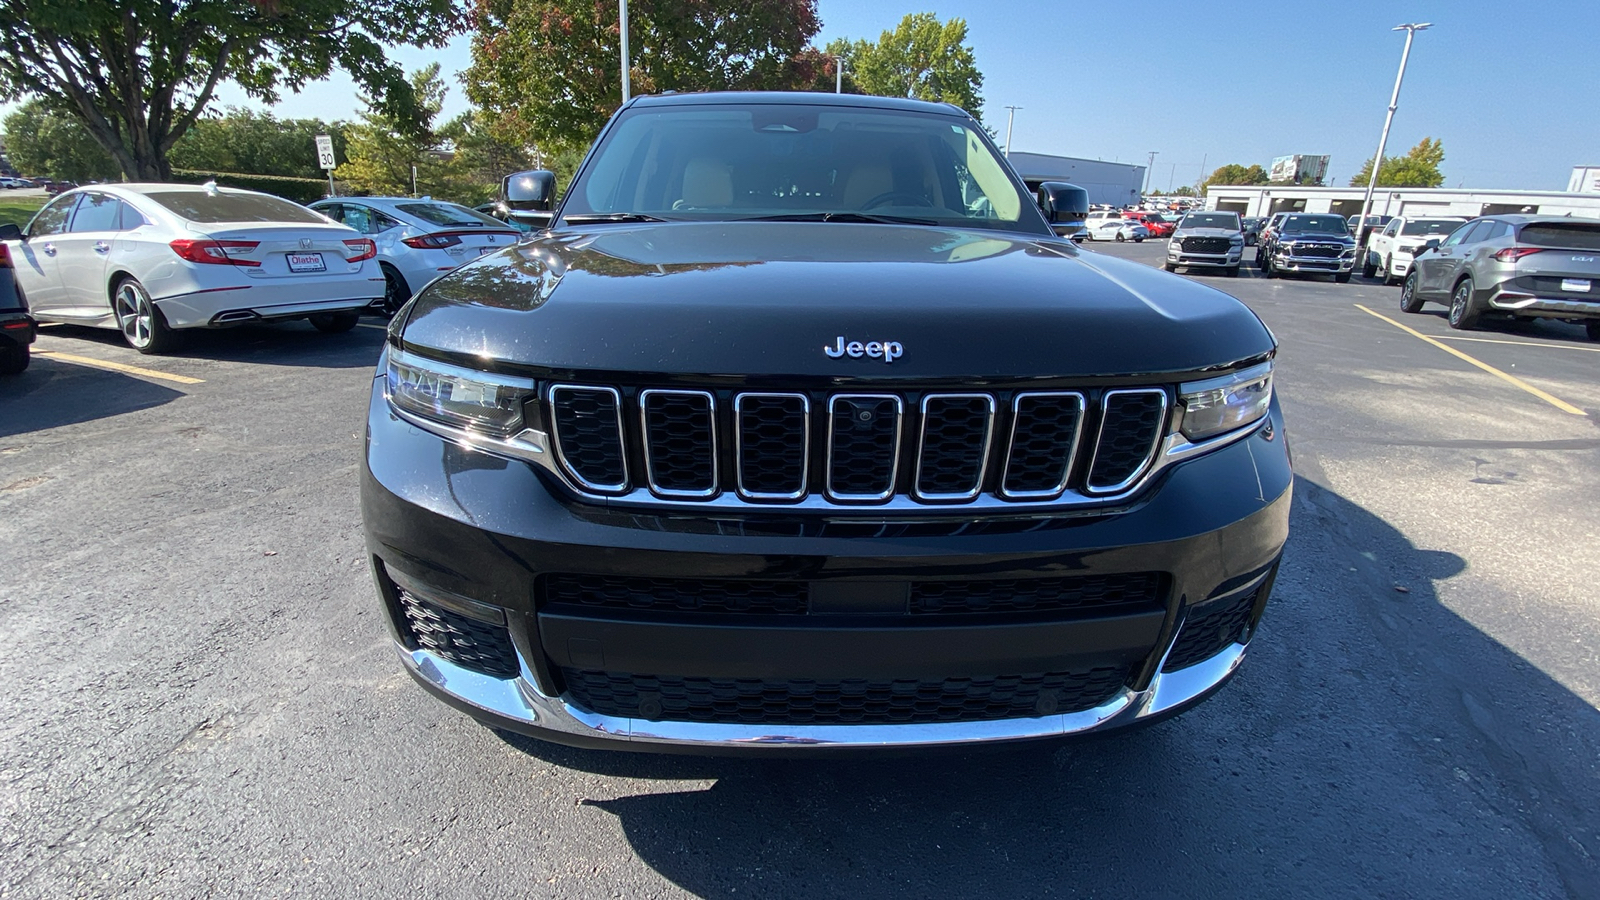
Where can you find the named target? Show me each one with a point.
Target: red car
(1158, 225)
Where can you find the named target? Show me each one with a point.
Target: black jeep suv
(796, 427)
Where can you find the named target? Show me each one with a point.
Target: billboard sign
(1298, 169)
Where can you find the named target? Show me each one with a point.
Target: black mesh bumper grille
(677, 594)
(1209, 629)
(848, 701)
(1206, 245)
(1099, 593)
(481, 646)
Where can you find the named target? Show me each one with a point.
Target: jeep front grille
(856, 449)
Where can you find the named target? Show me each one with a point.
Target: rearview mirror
(10, 232)
(1065, 206)
(534, 190)
(1431, 244)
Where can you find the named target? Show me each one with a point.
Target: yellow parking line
(1451, 337)
(117, 367)
(1557, 402)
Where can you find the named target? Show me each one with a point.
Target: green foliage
(140, 73)
(300, 190)
(556, 64)
(43, 142)
(487, 148)
(921, 58)
(19, 211)
(242, 140)
(381, 149)
(1185, 191)
(1418, 168)
(1233, 173)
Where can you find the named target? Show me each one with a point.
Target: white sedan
(418, 240)
(153, 259)
(1117, 230)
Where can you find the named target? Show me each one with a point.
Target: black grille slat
(1044, 439)
(701, 595)
(752, 701)
(954, 446)
(1210, 628)
(774, 439)
(1206, 244)
(481, 646)
(680, 442)
(1131, 424)
(864, 443)
(1096, 593)
(588, 425)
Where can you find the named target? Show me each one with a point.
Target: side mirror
(533, 191)
(10, 232)
(1065, 206)
(1431, 244)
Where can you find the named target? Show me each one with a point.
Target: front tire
(1368, 267)
(1170, 267)
(140, 321)
(1463, 315)
(1389, 277)
(1409, 300)
(1342, 278)
(14, 359)
(335, 323)
(1232, 271)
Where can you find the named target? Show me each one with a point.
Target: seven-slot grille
(856, 448)
(1206, 245)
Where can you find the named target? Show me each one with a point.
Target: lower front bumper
(1313, 265)
(1220, 261)
(519, 705)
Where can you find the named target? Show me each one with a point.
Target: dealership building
(1108, 183)
(1266, 199)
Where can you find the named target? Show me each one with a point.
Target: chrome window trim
(555, 438)
(644, 445)
(922, 438)
(894, 461)
(1149, 455)
(1072, 450)
(738, 445)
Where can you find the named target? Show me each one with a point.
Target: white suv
(1391, 250)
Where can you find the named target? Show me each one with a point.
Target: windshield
(723, 162)
(448, 214)
(1210, 220)
(1315, 224)
(228, 206)
(1431, 226)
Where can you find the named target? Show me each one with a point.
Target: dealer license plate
(306, 262)
(1575, 284)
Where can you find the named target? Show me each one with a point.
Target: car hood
(757, 299)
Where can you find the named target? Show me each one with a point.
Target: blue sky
(1505, 84)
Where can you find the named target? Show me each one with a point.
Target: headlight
(1220, 405)
(476, 402)
(1237, 240)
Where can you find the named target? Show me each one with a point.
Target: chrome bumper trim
(520, 702)
(1519, 301)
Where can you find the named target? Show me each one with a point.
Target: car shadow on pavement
(1374, 744)
(295, 344)
(51, 394)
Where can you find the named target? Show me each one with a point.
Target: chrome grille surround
(739, 403)
(567, 466)
(645, 398)
(1155, 441)
(928, 401)
(894, 453)
(1072, 448)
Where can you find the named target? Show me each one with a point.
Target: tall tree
(1233, 173)
(487, 148)
(556, 63)
(921, 58)
(382, 148)
(140, 73)
(40, 141)
(1418, 168)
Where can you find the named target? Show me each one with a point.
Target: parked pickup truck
(1391, 250)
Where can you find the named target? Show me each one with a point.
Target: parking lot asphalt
(201, 699)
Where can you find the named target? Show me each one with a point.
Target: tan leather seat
(707, 184)
(865, 183)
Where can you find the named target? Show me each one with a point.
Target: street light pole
(1147, 170)
(838, 74)
(622, 20)
(1011, 119)
(1394, 101)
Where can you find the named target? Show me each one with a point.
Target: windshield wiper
(842, 217)
(590, 218)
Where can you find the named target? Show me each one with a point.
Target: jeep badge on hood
(888, 351)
